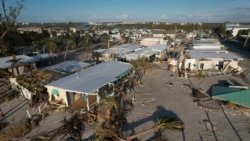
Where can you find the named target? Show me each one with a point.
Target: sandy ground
(156, 98)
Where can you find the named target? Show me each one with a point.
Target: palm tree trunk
(65, 54)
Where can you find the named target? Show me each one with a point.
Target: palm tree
(51, 44)
(85, 44)
(74, 128)
(140, 66)
(96, 55)
(69, 42)
(14, 64)
(105, 40)
(163, 123)
(182, 70)
(200, 77)
(110, 128)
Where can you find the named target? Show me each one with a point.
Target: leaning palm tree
(163, 123)
(14, 64)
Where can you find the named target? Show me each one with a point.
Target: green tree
(140, 65)
(51, 45)
(200, 77)
(7, 22)
(69, 42)
(85, 44)
(96, 55)
(105, 40)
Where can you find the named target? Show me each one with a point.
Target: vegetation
(14, 64)
(34, 83)
(140, 66)
(163, 123)
(8, 18)
(200, 76)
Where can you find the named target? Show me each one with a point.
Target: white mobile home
(206, 60)
(160, 50)
(82, 88)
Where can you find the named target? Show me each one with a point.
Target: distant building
(234, 28)
(153, 41)
(36, 29)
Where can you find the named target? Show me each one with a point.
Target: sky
(134, 11)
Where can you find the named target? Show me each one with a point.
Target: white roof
(24, 59)
(148, 53)
(199, 55)
(92, 78)
(129, 46)
(152, 39)
(121, 50)
(158, 47)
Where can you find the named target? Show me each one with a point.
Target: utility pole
(247, 39)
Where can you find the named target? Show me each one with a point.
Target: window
(55, 92)
(201, 66)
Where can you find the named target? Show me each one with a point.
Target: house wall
(130, 57)
(160, 53)
(211, 63)
(149, 43)
(191, 64)
(206, 65)
(159, 35)
(61, 96)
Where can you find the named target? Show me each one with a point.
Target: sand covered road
(156, 98)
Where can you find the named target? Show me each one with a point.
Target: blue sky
(135, 10)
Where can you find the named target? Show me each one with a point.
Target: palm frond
(170, 123)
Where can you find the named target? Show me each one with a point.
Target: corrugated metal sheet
(92, 78)
(239, 96)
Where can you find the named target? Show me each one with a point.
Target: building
(83, 88)
(234, 28)
(210, 60)
(236, 94)
(117, 52)
(143, 52)
(207, 44)
(153, 41)
(161, 50)
(30, 29)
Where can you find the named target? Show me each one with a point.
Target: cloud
(95, 17)
(163, 16)
(123, 16)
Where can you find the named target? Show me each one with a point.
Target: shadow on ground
(159, 112)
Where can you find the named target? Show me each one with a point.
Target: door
(70, 97)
